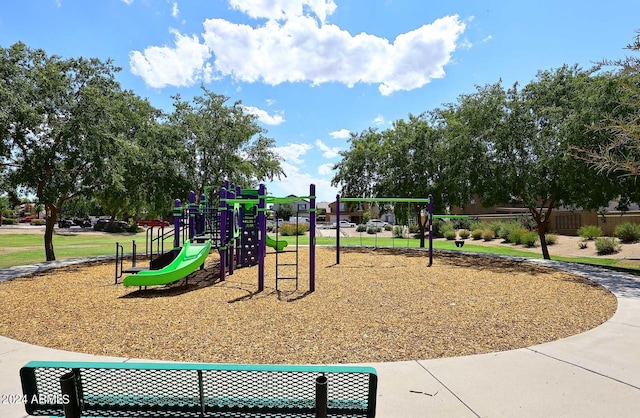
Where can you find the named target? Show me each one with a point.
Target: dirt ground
(376, 305)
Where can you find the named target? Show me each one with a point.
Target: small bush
(464, 233)
(627, 232)
(590, 231)
(529, 239)
(9, 221)
(38, 222)
(476, 234)
(361, 228)
(583, 244)
(441, 227)
(515, 235)
(462, 223)
(388, 227)
(414, 229)
(476, 225)
(292, 229)
(495, 227)
(397, 231)
(510, 228)
(373, 230)
(551, 238)
(488, 234)
(607, 245)
(450, 235)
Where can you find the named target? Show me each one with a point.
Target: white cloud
(181, 66)
(295, 45)
(379, 120)
(174, 9)
(486, 39)
(284, 9)
(327, 152)
(341, 134)
(325, 169)
(127, 1)
(264, 116)
(292, 152)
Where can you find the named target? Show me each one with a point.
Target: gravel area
(377, 305)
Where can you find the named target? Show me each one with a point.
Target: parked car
(69, 222)
(154, 222)
(26, 219)
(344, 224)
(377, 223)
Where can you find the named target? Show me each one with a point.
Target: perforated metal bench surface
(197, 389)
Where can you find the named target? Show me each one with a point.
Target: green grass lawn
(19, 249)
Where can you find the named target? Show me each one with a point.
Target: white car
(377, 223)
(344, 224)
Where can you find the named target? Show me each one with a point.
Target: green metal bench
(98, 389)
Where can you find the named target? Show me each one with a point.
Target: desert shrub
(495, 227)
(476, 234)
(440, 227)
(361, 228)
(551, 238)
(590, 231)
(291, 229)
(627, 232)
(450, 234)
(515, 235)
(529, 238)
(607, 245)
(38, 222)
(526, 221)
(506, 228)
(414, 229)
(397, 231)
(488, 234)
(476, 225)
(461, 223)
(583, 244)
(373, 230)
(464, 233)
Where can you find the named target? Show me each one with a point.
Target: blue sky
(315, 70)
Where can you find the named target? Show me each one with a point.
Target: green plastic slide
(278, 245)
(190, 258)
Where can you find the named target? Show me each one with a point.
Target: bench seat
(125, 389)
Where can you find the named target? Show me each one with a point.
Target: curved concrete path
(593, 374)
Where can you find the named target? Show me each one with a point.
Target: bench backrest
(197, 390)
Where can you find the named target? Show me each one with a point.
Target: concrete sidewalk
(594, 374)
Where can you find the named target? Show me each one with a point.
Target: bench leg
(70, 395)
(321, 396)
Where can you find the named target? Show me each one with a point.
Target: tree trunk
(542, 221)
(52, 217)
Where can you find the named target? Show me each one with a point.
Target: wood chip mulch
(376, 305)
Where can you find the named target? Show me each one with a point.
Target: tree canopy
(503, 145)
(68, 130)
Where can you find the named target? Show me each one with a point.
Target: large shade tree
(621, 154)
(56, 127)
(412, 159)
(223, 143)
(526, 137)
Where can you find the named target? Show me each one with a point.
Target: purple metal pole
(192, 214)
(232, 231)
(312, 239)
(430, 215)
(338, 229)
(223, 232)
(177, 217)
(240, 250)
(262, 235)
(202, 211)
